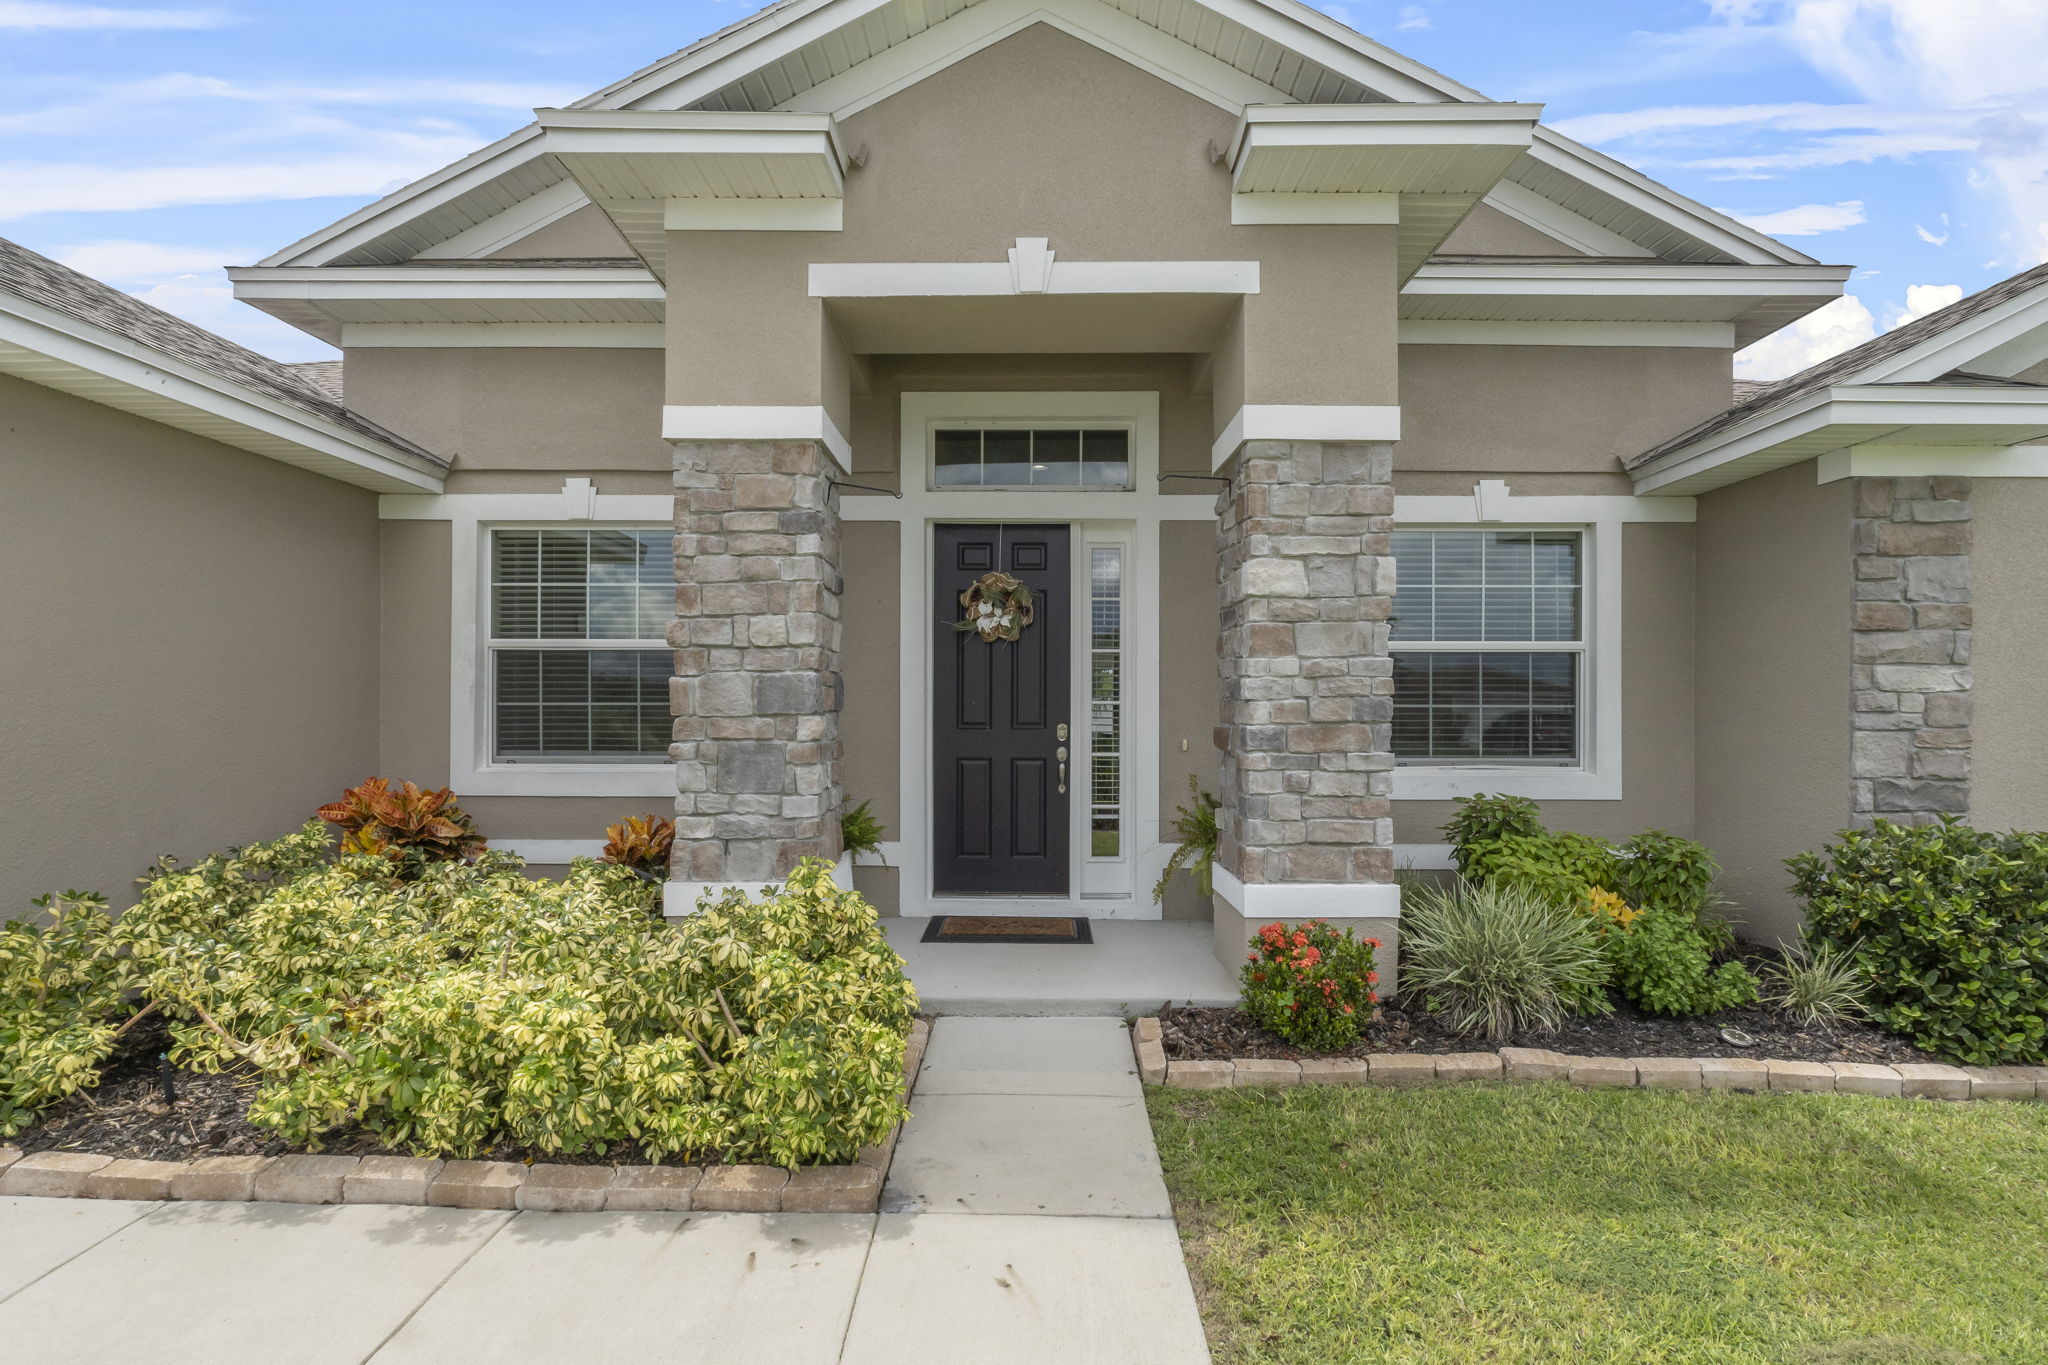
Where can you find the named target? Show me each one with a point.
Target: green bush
(1497, 960)
(1312, 985)
(461, 1006)
(1950, 927)
(1661, 949)
(63, 993)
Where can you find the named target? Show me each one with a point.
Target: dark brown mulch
(1219, 1034)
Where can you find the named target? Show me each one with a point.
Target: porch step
(1132, 967)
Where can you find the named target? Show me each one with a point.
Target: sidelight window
(1105, 701)
(578, 668)
(1489, 647)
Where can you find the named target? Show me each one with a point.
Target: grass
(1547, 1223)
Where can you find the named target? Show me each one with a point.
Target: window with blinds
(1105, 701)
(1489, 647)
(575, 653)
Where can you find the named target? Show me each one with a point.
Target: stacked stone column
(756, 637)
(1307, 589)
(1910, 756)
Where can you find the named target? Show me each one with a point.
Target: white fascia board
(1461, 332)
(690, 132)
(428, 192)
(1639, 192)
(964, 279)
(1382, 125)
(753, 215)
(1649, 279)
(522, 220)
(1752, 437)
(1908, 462)
(1963, 346)
(1871, 404)
(1304, 422)
(1293, 902)
(1358, 209)
(690, 75)
(641, 336)
(756, 422)
(1531, 209)
(1328, 43)
(511, 282)
(96, 351)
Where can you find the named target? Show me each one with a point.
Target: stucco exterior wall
(1657, 702)
(585, 234)
(1550, 409)
(1487, 231)
(1189, 689)
(2009, 662)
(1774, 616)
(192, 653)
(576, 409)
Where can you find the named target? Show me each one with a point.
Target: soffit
(322, 299)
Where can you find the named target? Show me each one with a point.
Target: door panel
(999, 817)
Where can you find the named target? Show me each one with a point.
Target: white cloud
(1922, 299)
(1804, 221)
(1934, 238)
(1825, 332)
(125, 262)
(405, 93)
(34, 16)
(1413, 16)
(1598, 128)
(28, 188)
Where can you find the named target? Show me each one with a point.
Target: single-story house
(1358, 442)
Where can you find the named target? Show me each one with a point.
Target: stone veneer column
(1910, 756)
(756, 640)
(1307, 589)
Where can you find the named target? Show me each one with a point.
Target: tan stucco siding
(1487, 231)
(2009, 655)
(1774, 613)
(585, 234)
(1550, 409)
(1009, 143)
(1189, 686)
(192, 644)
(576, 409)
(1657, 703)
(870, 662)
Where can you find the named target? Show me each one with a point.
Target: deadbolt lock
(1060, 731)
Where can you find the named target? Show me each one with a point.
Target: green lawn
(1547, 1223)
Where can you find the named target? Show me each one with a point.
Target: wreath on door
(997, 607)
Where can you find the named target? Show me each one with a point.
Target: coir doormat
(1008, 929)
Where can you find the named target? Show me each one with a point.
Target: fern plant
(861, 834)
(1195, 826)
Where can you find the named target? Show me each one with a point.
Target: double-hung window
(1489, 648)
(574, 654)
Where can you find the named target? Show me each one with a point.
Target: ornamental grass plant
(1497, 960)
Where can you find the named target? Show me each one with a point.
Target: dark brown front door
(999, 800)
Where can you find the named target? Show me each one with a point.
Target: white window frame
(933, 425)
(1597, 776)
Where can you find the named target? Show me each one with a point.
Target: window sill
(1543, 784)
(536, 779)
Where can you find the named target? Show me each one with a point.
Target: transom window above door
(1031, 457)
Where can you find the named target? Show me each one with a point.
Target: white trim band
(1719, 336)
(644, 336)
(756, 422)
(679, 899)
(1304, 422)
(1296, 901)
(1906, 462)
(1491, 501)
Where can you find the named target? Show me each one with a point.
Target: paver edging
(1925, 1080)
(854, 1187)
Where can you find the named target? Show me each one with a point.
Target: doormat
(1008, 929)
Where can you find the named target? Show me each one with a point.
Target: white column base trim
(1296, 901)
(756, 422)
(1304, 422)
(551, 851)
(679, 899)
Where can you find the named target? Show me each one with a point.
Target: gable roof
(69, 331)
(837, 56)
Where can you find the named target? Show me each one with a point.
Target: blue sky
(151, 144)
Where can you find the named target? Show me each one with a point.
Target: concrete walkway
(1024, 1221)
(1132, 967)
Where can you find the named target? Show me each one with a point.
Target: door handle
(1061, 754)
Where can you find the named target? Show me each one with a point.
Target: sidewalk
(1024, 1221)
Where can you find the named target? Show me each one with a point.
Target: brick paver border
(550, 1186)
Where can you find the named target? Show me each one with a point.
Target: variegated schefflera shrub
(64, 991)
(468, 1007)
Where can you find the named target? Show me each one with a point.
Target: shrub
(1949, 925)
(408, 826)
(63, 990)
(1663, 964)
(861, 834)
(1196, 830)
(467, 1006)
(1668, 872)
(642, 843)
(1817, 985)
(1312, 985)
(1559, 867)
(1497, 960)
(1485, 820)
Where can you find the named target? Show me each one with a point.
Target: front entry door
(999, 785)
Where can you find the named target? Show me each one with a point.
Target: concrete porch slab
(1132, 967)
(695, 1288)
(224, 1284)
(1079, 1291)
(42, 1234)
(1068, 1155)
(981, 1056)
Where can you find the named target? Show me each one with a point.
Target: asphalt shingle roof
(39, 279)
